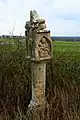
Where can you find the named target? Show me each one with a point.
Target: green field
(68, 49)
(67, 46)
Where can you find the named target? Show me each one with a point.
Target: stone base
(38, 112)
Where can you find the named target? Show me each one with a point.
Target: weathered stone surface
(35, 31)
(42, 46)
(39, 50)
(38, 83)
(37, 22)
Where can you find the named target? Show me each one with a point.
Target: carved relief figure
(43, 48)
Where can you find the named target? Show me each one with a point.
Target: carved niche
(43, 49)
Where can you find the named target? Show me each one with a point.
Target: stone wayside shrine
(39, 51)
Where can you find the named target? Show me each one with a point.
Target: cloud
(62, 16)
(69, 16)
(3, 1)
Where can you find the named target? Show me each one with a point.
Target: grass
(62, 82)
(71, 49)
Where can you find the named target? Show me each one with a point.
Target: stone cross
(39, 50)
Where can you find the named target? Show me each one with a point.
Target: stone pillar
(41, 52)
(38, 83)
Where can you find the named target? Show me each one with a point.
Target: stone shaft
(38, 83)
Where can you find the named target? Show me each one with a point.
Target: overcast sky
(62, 16)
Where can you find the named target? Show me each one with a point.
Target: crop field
(62, 80)
(70, 49)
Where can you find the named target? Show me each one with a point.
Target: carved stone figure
(35, 24)
(38, 24)
(43, 48)
(29, 40)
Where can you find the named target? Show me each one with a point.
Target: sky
(62, 16)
